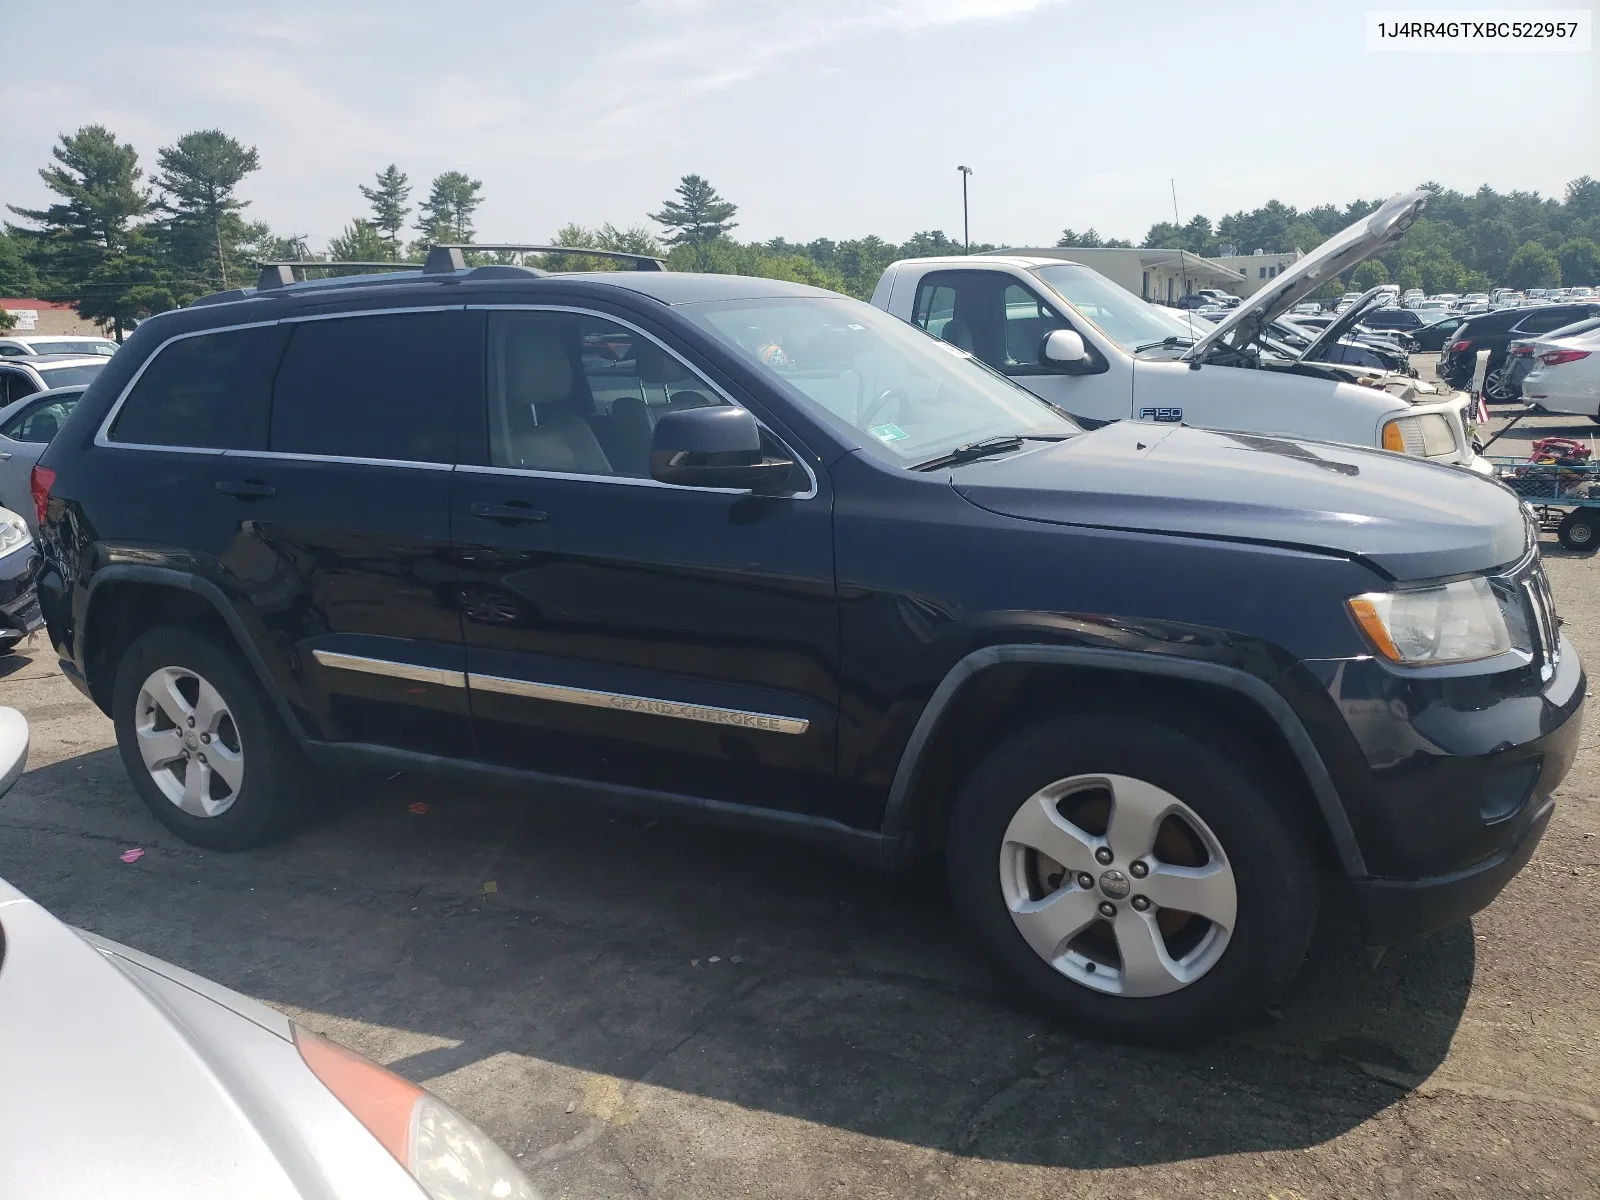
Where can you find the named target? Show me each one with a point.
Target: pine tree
(203, 233)
(360, 242)
(698, 217)
(88, 245)
(446, 214)
(389, 207)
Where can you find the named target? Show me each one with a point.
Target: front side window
(40, 422)
(577, 394)
(388, 386)
(1027, 323)
(906, 397)
(205, 391)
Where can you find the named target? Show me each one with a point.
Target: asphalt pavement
(642, 1008)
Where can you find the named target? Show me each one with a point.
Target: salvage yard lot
(645, 1008)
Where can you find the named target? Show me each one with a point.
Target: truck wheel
(1579, 530)
(201, 743)
(1137, 877)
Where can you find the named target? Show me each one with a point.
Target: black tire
(274, 773)
(1275, 872)
(1580, 529)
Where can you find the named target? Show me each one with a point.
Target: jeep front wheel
(1134, 875)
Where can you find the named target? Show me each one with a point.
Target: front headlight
(14, 533)
(1446, 623)
(1426, 436)
(444, 1152)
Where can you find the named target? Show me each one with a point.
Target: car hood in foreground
(1408, 519)
(126, 1076)
(1345, 249)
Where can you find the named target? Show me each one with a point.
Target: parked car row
(1496, 331)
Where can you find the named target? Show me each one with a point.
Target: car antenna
(1183, 263)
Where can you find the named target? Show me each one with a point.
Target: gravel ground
(648, 1009)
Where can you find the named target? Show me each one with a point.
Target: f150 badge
(1169, 415)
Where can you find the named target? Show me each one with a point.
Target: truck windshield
(1116, 312)
(903, 395)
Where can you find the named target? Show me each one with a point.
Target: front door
(1001, 321)
(343, 522)
(624, 631)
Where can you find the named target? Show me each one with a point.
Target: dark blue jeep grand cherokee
(760, 553)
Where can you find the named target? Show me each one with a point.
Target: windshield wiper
(973, 451)
(1176, 339)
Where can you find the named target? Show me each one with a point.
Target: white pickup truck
(1074, 338)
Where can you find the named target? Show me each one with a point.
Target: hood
(1341, 325)
(189, 1090)
(1408, 519)
(1343, 250)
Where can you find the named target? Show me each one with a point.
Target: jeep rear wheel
(1136, 877)
(201, 744)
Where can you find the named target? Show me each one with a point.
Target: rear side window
(387, 386)
(208, 391)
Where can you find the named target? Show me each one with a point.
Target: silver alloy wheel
(1104, 909)
(189, 741)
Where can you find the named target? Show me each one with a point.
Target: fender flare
(213, 595)
(897, 814)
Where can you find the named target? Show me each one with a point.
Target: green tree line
(121, 248)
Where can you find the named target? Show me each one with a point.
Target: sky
(819, 118)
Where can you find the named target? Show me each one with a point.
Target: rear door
(343, 521)
(623, 631)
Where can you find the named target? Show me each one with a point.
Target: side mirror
(714, 447)
(1064, 350)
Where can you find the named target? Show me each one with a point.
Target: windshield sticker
(888, 433)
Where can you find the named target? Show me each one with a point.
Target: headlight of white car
(1426, 436)
(14, 533)
(1445, 623)
(446, 1153)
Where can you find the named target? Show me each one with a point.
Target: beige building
(1161, 276)
(1257, 269)
(46, 316)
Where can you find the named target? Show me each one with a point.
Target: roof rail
(281, 274)
(447, 257)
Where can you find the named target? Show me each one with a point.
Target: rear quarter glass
(205, 390)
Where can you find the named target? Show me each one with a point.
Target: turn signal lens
(444, 1152)
(1393, 439)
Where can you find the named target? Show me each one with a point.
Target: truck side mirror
(1064, 350)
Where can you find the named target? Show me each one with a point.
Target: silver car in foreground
(122, 1075)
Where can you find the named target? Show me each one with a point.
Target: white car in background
(127, 1077)
(1412, 298)
(1566, 376)
(25, 345)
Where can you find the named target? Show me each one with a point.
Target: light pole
(966, 233)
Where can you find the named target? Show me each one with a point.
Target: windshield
(864, 372)
(55, 377)
(1116, 312)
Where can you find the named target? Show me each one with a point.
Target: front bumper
(1449, 789)
(1396, 910)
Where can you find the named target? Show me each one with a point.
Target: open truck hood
(1348, 248)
